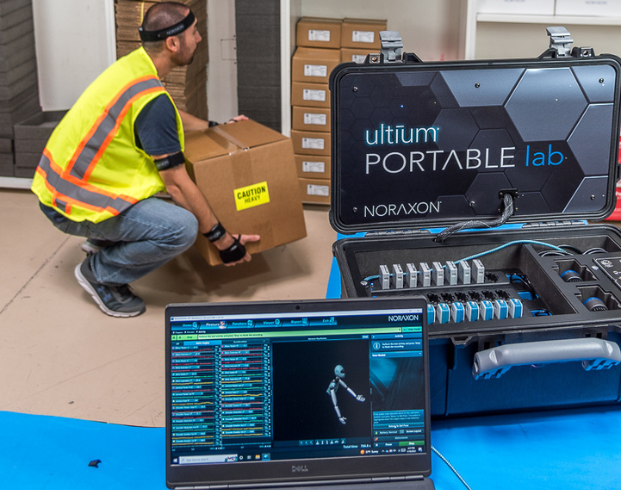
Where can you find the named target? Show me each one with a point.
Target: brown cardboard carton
(315, 191)
(310, 94)
(310, 119)
(311, 143)
(318, 32)
(362, 33)
(247, 172)
(356, 55)
(314, 64)
(313, 166)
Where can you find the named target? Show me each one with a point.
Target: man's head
(170, 27)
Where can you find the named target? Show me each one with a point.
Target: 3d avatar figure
(339, 371)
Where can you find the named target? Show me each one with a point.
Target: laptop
(298, 393)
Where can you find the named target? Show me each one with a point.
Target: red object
(616, 214)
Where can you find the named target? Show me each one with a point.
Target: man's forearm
(192, 123)
(186, 194)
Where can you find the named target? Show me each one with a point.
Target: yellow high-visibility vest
(91, 168)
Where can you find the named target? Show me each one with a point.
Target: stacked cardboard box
(187, 85)
(31, 136)
(321, 45)
(359, 37)
(19, 90)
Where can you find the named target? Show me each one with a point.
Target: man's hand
(227, 241)
(241, 117)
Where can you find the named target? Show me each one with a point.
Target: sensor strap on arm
(170, 161)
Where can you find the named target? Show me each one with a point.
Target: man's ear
(172, 43)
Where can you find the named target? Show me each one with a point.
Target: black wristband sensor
(234, 253)
(215, 233)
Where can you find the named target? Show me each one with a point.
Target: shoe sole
(89, 289)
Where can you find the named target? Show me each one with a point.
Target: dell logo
(299, 469)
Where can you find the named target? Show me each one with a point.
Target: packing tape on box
(229, 138)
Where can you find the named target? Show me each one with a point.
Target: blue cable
(508, 244)
(515, 242)
(451, 467)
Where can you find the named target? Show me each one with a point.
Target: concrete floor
(60, 355)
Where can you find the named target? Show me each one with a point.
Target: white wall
(75, 42)
(222, 75)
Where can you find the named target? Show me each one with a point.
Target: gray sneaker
(118, 301)
(94, 245)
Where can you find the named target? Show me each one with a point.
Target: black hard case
(557, 120)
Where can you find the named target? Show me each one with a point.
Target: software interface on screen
(296, 386)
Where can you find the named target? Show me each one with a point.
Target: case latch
(392, 51)
(392, 46)
(560, 41)
(560, 45)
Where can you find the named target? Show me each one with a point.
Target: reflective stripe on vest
(76, 191)
(72, 181)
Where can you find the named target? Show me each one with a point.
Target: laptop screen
(274, 392)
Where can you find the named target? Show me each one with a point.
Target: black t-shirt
(156, 127)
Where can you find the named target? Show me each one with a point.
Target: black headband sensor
(178, 28)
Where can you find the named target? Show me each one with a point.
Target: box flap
(203, 145)
(427, 145)
(248, 134)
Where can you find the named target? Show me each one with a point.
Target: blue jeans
(145, 237)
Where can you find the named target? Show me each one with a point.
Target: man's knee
(185, 225)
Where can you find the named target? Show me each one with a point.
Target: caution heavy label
(252, 195)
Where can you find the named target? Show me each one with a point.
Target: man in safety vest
(119, 145)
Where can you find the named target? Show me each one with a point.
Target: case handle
(594, 353)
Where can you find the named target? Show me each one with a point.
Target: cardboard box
(6, 145)
(311, 143)
(315, 191)
(313, 166)
(314, 64)
(357, 55)
(32, 134)
(530, 7)
(362, 33)
(318, 32)
(7, 169)
(610, 8)
(311, 119)
(310, 94)
(247, 172)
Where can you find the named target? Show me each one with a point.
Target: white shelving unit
(433, 30)
(15, 183)
(519, 35)
(447, 29)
